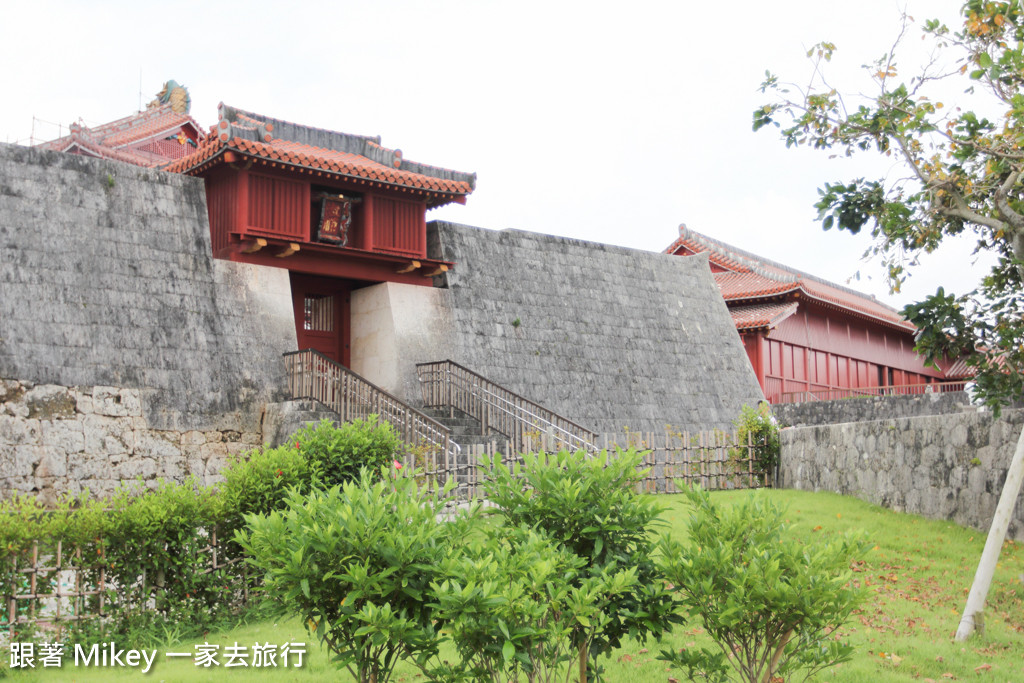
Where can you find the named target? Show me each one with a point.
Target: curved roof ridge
(757, 264)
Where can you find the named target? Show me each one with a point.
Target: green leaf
(508, 651)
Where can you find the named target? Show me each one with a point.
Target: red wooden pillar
(242, 201)
(366, 239)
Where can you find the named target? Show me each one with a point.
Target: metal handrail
(837, 393)
(448, 384)
(312, 375)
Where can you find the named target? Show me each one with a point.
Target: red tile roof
(761, 315)
(342, 154)
(126, 139)
(747, 277)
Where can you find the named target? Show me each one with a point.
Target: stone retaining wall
(606, 336)
(863, 409)
(107, 278)
(944, 466)
(56, 439)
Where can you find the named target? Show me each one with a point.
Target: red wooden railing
(835, 393)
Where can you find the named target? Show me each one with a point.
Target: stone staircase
(466, 430)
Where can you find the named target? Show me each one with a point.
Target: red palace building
(810, 338)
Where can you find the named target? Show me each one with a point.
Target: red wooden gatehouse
(810, 338)
(338, 211)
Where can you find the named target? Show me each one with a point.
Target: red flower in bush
(296, 445)
(398, 465)
(280, 473)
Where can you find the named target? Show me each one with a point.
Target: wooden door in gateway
(321, 307)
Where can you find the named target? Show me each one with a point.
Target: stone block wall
(128, 350)
(870, 408)
(945, 466)
(107, 278)
(606, 336)
(56, 439)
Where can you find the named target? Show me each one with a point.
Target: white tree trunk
(996, 536)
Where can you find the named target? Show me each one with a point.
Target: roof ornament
(174, 94)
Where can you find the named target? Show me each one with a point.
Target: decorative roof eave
(223, 152)
(130, 156)
(799, 291)
(902, 325)
(765, 323)
(122, 131)
(160, 133)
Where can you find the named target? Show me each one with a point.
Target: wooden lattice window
(319, 313)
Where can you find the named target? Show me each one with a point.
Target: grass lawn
(917, 577)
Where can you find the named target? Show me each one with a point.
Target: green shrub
(513, 602)
(767, 600)
(258, 483)
(589, 506)
(336, 454)
(758, 425)
(356, 563)
(153, 545)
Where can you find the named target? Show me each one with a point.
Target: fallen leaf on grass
(949, 675)
(983, 667)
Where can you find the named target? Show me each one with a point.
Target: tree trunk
(996, 536)
(583, 663)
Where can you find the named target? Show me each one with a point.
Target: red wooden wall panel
(221, 194)
(278, 207)
(399, 226)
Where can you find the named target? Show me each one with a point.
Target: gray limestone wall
(107, 279)
(948, 466)
(606, 336)
(870, 408)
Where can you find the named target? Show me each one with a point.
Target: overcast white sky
(612, 122)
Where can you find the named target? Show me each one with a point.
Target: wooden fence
(52, 586)
(673, 460)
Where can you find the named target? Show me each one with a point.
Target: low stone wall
(870, 408)
(56, 439)
(944, 466)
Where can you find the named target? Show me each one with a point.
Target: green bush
(356, 562)
(258, 483)
(513, 602)
(336, 454)
(767, 600)
(758, 425)
(589, 506)
(153, 545)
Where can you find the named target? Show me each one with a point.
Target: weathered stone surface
(116, 286)
(99, 452)
(114, 402)
(49, 402)
(64, 435)
(10, 390)
(949, 466)
(283, 419)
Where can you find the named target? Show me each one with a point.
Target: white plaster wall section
(422, 320)
(395, 326)
(372, 336)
